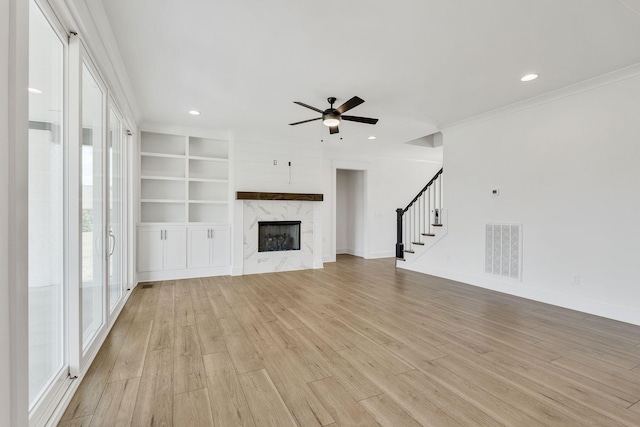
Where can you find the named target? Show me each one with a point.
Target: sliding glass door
(117, 203)
(48, 356)
(93, 202)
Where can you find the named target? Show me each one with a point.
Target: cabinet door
(150, 250)
(175, 249)
(199, 253)
(221, 247)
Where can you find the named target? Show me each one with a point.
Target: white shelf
(183, 179)
(207, 169)
(208, 180)
(162, 200)
(208, 212)
(161, 143)
(208, 148)
(170, 156)
(162, 189)
(163, 212)
(209, 202)
(209, 159)
(163, 166)
(162, 178)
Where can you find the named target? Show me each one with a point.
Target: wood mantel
(255, 195)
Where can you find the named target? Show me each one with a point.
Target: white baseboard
(596, 308)
(381, 254)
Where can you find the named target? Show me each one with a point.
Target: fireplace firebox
(274, 236)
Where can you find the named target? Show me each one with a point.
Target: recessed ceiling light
(372, 137)
(528, 77)
(194, 112)
(34, 90)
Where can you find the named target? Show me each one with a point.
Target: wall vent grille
(503, 250)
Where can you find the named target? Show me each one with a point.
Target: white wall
(568, 171)
(13, 227)
(255, 171)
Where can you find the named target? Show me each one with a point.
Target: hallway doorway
(350, 212)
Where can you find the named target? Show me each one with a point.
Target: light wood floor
(357, 343)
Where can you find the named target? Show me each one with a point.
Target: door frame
(356, 166)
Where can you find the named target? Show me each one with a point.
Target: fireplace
(276, 236)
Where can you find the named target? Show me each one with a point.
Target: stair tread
(428, 234)
(417, 243)
(409, 251)
(436, 225)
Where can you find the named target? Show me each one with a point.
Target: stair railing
(416, 220)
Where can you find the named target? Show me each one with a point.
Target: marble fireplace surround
(257, 207)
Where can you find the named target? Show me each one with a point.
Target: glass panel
(47, 357)
(92, 291)
(116, 202)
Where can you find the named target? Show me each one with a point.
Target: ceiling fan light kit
(331, 117)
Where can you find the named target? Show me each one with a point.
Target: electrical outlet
(576, 279)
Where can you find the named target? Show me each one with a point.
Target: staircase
(421, 224)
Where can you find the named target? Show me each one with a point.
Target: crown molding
(625, 73)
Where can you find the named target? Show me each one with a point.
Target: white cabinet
(168, 252)
(209, 247)
(162, 249)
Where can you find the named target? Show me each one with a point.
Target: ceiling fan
(331, 117)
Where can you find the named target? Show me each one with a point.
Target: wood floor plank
(154, 403)
(226, 398)
(565, 387)
(117, 404)
(340, 404)
(188, 372)
(303, 404)
(220, 307)
(184, 314)
(242, 353)
(230, 326)
(209, 333)
(130, 360)
(537, 401)
(192, 409)
(77, 422)
(199, 297)
(87, 397)
(162, 332)
(387, 413)
(265, 402)
(358, 385)
(147, 304)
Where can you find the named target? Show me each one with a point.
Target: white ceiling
(418, 64)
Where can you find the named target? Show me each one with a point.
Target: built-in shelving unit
(183, 179)
(184, 228)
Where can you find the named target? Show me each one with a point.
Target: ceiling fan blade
(333, 129)
(367, 120)
(353, 102)
(304, 121)
(308, 106)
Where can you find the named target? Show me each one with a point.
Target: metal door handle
(112, 238)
